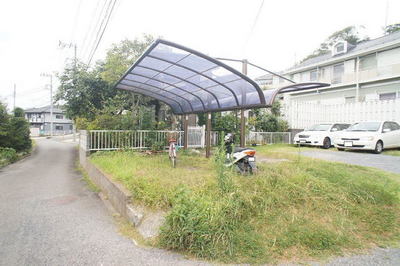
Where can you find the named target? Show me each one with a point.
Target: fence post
(185, 131)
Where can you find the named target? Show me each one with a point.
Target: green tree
(351, 34)
(19, 112)
(83, 90)
(392, 28)
(4, 124)
(268, 120)
(122, 55)
(14, 130)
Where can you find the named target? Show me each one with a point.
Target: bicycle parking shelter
(190, 82)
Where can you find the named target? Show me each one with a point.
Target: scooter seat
(238, 149)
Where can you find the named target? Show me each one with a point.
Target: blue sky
(287, 30)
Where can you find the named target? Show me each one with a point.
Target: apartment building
(364, 78)
(40, 120)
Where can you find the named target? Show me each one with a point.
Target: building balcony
(384, 72)
(35, 120)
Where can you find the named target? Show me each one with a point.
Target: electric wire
(76, 19)
(102, 33)
(98, 28)
(91, 24)
(253, 26)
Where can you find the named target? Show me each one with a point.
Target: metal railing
(263, 138)
(103, 140)
(97, 140)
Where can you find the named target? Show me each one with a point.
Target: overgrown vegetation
(93, 103)
(291, 210)
(14, 135)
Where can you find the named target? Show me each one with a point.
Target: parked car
(320, 134)
(375, 136)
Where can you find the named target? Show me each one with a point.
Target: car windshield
(320, 127)
(365, 126)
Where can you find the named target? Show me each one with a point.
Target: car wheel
(378, 147)
(340, 149)
(327, 143)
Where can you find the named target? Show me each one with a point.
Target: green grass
(394, 152)
(293, 210)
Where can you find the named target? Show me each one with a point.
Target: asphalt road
(380, 161)
(49, 217)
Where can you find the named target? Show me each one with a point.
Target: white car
(374, 136)
(320, 134)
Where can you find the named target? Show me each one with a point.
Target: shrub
(7, 155)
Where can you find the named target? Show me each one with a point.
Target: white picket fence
(302, 115)
(97, 140)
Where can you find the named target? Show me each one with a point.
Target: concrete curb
(147, 222)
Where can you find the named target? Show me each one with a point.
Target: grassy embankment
(9, 155)
(293, 210)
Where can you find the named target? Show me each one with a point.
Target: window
(339, 48)
(350, 99)
(387, 96)
(338, 71)
(59, 127)
(59, 116)
(313, 75)
(336, 127)
(368, 62)
(344, 126)
(394, 126)
(386, 126)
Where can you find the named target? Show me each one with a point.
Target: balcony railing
(363, 75)
(35, 120)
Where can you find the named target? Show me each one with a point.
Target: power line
(99, 25)
(102, 33)
(91, 23)
(253, 26)
(76, 18)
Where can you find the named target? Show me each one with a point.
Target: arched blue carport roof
(191, 82)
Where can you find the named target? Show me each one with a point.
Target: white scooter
(243, 158)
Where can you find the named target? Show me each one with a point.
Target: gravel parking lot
(381, 161)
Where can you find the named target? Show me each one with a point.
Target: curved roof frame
(162, 75)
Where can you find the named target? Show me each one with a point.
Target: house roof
(352, 49)
(44, 109)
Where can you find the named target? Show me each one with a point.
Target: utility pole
(51, 100)
(63, 45)
(15, 94)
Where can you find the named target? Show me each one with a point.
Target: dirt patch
(270, 160)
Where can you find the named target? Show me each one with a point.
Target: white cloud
(30, 31)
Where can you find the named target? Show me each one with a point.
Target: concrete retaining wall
(147, 222)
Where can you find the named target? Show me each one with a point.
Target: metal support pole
(242, 117)
(51, 105)
(242, 129)
(208, 136)
(185, 131)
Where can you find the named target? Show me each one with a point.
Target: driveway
(49, 217)
(384, 162)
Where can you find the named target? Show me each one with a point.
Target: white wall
(302, 115)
